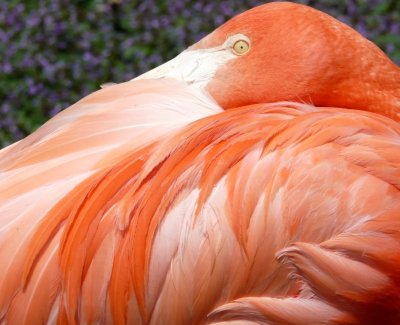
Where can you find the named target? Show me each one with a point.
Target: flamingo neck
(377, 97)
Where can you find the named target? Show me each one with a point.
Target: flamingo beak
(181, 67)
(196, 67)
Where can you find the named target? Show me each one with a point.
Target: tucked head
(288, 52)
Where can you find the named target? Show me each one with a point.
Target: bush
(54, 52)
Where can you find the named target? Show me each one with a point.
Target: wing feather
(174, 208)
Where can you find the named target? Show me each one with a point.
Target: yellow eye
(241, 47)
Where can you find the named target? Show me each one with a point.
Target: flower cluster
(54, 52)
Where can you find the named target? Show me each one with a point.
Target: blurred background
(53, 52)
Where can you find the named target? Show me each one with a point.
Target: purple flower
(7, 67)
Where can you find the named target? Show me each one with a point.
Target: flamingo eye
(241, 47)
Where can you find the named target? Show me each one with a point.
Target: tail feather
(285, 311)
(357, 273)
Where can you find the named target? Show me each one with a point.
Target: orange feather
(152, 202)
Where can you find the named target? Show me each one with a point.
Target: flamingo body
(136, 206)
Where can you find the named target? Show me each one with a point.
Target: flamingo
(255, 178)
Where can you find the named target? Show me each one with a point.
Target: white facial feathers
(198, 66)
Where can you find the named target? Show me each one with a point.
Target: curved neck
(381, 96)
(367, 78)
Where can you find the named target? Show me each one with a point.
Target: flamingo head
(288, 52)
